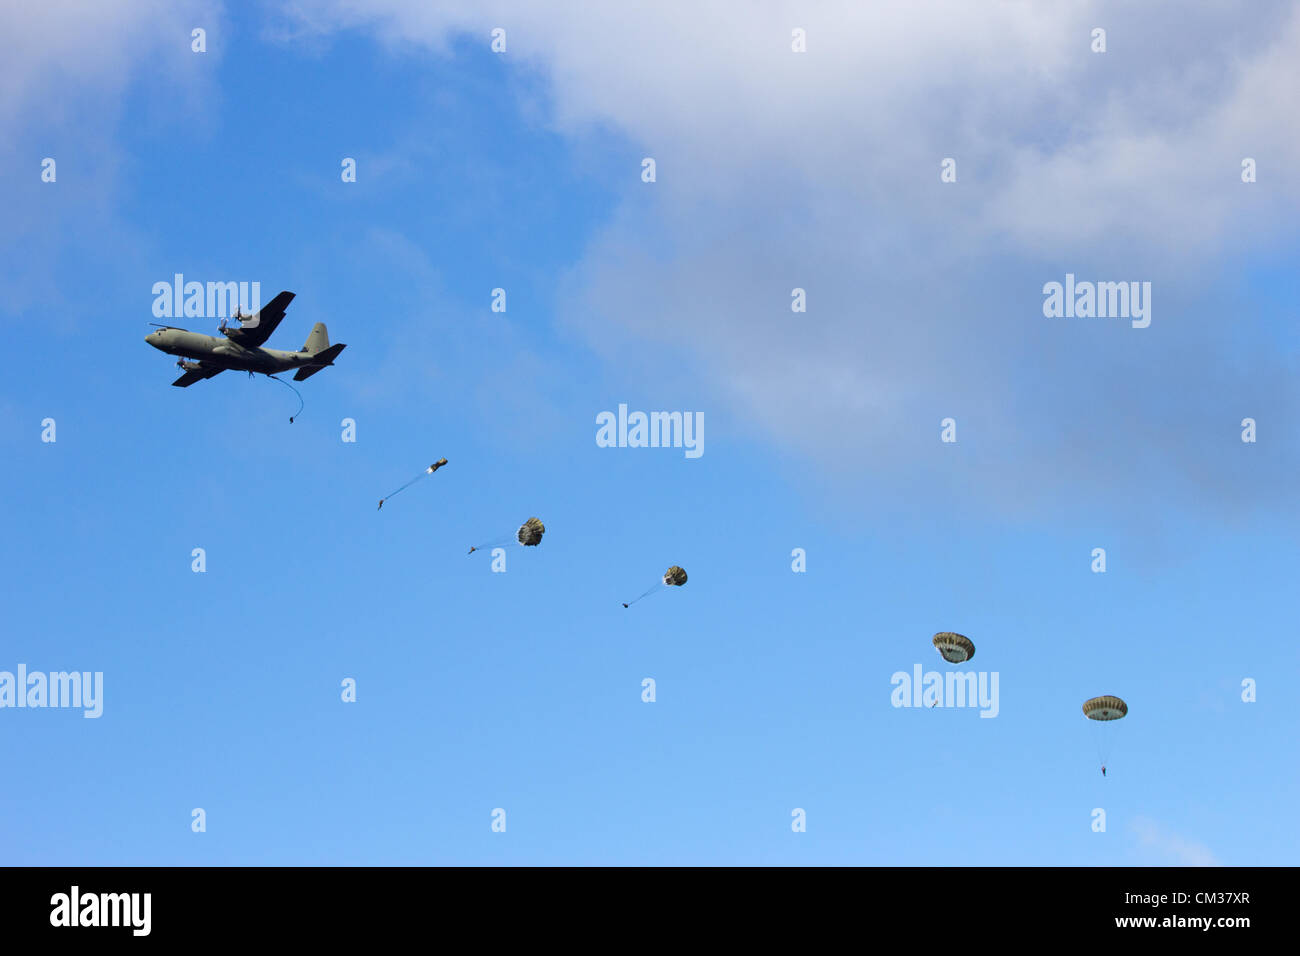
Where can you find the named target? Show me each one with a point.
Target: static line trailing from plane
(240, 348)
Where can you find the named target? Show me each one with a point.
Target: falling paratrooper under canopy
(428, 471)
(1104, 710)
(529, 535)
(674, 577)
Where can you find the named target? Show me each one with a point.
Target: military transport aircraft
(241, 349)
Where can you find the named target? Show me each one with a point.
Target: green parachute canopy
(955, 648)
(530, 533)
(1104, 708)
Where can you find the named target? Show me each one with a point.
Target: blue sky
(522, 690)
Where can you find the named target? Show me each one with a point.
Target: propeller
(175, 327)
(238, 319)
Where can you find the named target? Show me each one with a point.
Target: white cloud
(62, 55)
(888, 89)
(1169, 848)
(63, 78)
(821, 170)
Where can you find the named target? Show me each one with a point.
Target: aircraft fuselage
(222, 352)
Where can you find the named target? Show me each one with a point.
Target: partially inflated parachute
(530, 533)
(674, 577)
(428, 471)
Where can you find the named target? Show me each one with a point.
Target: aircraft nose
(152, 339)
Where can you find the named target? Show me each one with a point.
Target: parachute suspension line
(295, 391)
(658, 587)
(1097, 730)
(495, 543)
(1105, 711)
(428, 471)
(403, 488)
(1106, 741)
(531, 531)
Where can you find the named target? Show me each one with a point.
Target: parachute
(529, 534)
(674, 577)
(1105, 708)
(1102, 712)
(955, 648)
(428, 471)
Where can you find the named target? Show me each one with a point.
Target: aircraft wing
(196, 375)
(268, 317)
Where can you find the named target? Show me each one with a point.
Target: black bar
(654, 905)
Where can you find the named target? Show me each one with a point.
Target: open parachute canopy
(530, 533)
(955, 648)
(1104, 708)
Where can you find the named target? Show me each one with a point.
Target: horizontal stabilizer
(318, 362)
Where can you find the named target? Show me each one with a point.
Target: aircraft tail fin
(321, 359)
(318, 340)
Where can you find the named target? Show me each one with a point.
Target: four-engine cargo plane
(241, 348)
